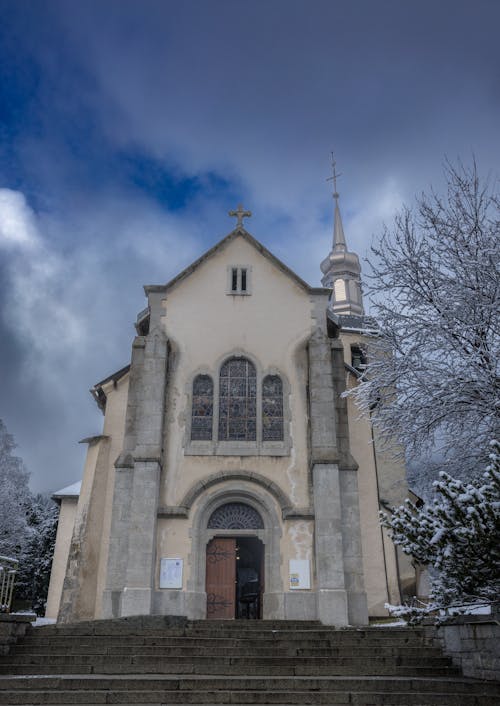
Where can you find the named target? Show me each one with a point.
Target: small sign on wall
(171, 573)
(300, 573)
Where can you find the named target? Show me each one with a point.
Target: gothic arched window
(272, 408)
(237, 401)
(202, 410)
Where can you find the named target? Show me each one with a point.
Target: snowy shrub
(36, 560)
(458, 534)
(28, 525)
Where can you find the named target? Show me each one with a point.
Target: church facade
(232, 478)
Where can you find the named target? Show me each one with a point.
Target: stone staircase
(164, 660)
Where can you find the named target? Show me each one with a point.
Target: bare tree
(432, 381)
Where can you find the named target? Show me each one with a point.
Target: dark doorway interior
(249, 577)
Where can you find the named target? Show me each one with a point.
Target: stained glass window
(235, 516)
(237, 401)
(203, 405)
(272, 408)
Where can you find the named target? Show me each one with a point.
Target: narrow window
(202, 411)
(237, 401)
(358, 358)
(239, 280)
(339, 290)
(272, 408)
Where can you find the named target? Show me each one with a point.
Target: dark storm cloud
(129, 128)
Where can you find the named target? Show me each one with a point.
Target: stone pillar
(357, 606)
(331, 590)
(140, 569)
(132, 550)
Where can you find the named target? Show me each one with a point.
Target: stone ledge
(473, 643)
(298, 513)
(173, 511)
(12, 627)
(17, 617)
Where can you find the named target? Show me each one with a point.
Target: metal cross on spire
(334, 177)
(240, 214)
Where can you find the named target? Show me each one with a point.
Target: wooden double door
(232, 565)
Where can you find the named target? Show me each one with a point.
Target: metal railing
(8, 571)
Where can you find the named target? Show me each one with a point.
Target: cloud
(252, 94)
(34, 309)
(67, 313)
(17, 221)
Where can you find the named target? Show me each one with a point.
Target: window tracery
(272, 408)
(235, 516)
(240, 412)
(237, 401)
(202, 408)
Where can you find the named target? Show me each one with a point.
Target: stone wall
(473, 642)
(12, 627)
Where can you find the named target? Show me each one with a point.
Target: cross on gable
(240, 214)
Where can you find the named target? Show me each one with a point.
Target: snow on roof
(69, 491)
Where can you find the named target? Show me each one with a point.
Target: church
(232, 478)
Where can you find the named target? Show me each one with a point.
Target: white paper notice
(300, 574)
(171, 573)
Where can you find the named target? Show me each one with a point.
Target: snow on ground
(43, 621)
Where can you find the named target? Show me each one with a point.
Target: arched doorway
(265, 497)
(235, 564)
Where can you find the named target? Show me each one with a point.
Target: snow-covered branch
(435, 289)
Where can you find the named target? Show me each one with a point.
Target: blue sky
(129, 129)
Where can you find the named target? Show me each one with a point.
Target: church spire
(339, 244)
(341, 268)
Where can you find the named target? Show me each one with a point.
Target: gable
(206, 322)
(237, 233)
(205, 295)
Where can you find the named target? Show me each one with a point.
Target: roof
(98, 393)
(70, 491)
(352, 322)
(237, 232)
(114, 377)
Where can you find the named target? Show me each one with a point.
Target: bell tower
(341, 269)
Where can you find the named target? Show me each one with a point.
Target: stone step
(269, 639)
(194, 650)
(136, 624)
(155, 660)
(226, 629)
(373, 698)
(55, 659)
(232, 670)
(333, 638)
(206, 682)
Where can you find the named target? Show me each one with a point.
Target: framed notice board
(171, 573)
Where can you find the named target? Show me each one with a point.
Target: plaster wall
(114, 428)
(77, 596)
(204, 326)
(382, 476)
(67, 512)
